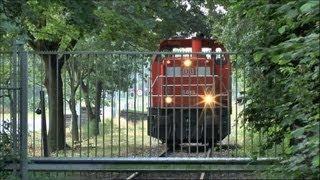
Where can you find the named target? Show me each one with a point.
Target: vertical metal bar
(229, 102)
(88, 115)
(166, 105)
(103, 116)
(23, 112)
(159, 102)
(275, 128)
(71, 76)
(236, 100)
(260, 145)
(142, 104)
(197, 108)
(127, 114)
(205, 112)
(33, 105)
(275, 148)
(119, 105)
(80, 110)
(221, 103)
(41, 89)
(103, 124)
(175, 104)
(244, 109)
(214, 95)
(97, 109)
(283, 147)
(57, 99)
(112, 109)
(2, 92)
(44, 124)
(18, 102)
(251, 137)
(182, 105)
(2, 121)
(189, 108)
(149, 106)
(135, 111)
(65, 106)
(13, 103)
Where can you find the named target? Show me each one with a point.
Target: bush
(280, 41)
(6, 150)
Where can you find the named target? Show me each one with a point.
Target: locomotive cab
(190, 93)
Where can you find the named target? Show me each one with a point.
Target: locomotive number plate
(178, 71)
(188, 71)
(188, 92)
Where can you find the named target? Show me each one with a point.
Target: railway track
(136, 174)
(203, 173)
(170, 175)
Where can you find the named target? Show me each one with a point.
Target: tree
(281, 42)
(133, 25)
(52, 26)
(64, 25)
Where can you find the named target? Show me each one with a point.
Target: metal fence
(13, 97)
(113, 111)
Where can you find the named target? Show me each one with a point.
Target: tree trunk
(97, 107)
(93, 116)
(86, 97)
(90, 113)
(71, 68)
(53, 83)
(74, 128)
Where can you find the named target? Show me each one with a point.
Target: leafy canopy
(280, 42)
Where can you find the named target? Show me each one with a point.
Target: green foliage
(6, 149)
(280, 42)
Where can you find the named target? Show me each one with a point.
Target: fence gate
(14, 108)
(128, 112)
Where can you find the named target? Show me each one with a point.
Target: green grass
(115, 142)
(243, 143)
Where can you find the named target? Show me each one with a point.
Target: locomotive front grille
(189, 92)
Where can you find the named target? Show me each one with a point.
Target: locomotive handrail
(154, 82)
(193, 76)
(188, 85)
(191, 95)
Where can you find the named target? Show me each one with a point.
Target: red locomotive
(189, 92)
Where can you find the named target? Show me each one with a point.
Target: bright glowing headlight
(168, 100)
(187, 62)
(208, 99)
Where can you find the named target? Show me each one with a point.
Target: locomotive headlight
(208, 99)
(168, 100)
(187, 62)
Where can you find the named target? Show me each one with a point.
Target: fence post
(13, 103)
(43, 124)
(23, 130)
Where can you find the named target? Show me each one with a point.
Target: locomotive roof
(182, 42)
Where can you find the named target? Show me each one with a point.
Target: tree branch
(70, 47)
(32, 41)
